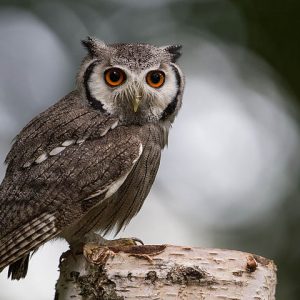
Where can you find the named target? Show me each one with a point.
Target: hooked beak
(136, 100)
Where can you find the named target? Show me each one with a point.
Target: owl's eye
(155, 78)
(114, 77)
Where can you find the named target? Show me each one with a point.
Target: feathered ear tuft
(93, 45)
(174, 51)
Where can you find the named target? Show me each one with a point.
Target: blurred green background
(230, 177)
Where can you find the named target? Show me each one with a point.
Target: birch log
(164, 272)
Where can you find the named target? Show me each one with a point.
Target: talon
(123, 242)
(137, 240)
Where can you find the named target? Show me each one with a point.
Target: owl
(88, 162)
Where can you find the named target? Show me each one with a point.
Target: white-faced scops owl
(88, 162)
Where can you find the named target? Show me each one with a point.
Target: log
(164, 272)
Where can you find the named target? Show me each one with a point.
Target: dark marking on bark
(188, 275)
(238, 273)
(129, 276)
(97, 285)
(152, 276)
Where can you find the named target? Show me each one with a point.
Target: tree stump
(164, 272)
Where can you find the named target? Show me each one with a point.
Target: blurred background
(230, 177)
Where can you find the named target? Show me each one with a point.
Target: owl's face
(139, 83)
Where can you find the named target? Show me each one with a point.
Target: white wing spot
(68, 143)
(57, 150)
(104, 132)
(114, 125)
(140, 152)
(111, 189)
(41, 158)
(54, 151)
(27, 165)
(80, 141)
(117, 184)
(97, 193)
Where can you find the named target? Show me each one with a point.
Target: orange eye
(114, 77)
(155, 78)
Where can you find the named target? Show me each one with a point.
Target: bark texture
(164, 272)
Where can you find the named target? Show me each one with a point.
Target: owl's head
(139, 83)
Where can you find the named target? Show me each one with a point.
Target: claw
(133, 241)
(137, 240)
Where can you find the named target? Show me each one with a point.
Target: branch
(164, 272)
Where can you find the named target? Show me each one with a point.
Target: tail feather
(25, 247)
(19, 268)
(30, 239)
(16, 246)
(9, 241)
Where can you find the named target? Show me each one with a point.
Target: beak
(136, 102)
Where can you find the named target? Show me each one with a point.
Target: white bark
(165, 272)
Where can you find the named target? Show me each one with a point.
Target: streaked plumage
(88, 162)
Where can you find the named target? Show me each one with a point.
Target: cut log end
(164, 272)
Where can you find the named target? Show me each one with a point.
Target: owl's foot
(92, 240)
(100, 251)
(95, 238)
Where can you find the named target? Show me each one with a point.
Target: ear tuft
(92, 45)
(174, 51)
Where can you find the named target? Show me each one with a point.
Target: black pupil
(155, 77)
(114, 75)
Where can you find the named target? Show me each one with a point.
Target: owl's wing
(39, 197)
(37, 203)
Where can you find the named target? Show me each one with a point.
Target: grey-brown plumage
(88, 162)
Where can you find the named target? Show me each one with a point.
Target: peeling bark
(164, 272)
